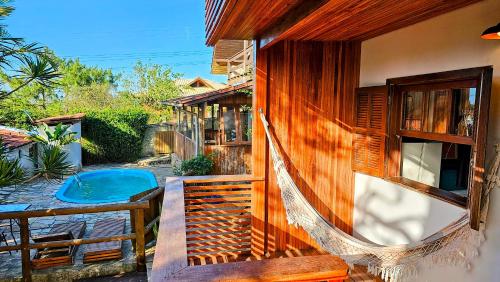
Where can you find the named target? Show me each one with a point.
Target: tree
(152, 84)
(75, 74)
(23, 62)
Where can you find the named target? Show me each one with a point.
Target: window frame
(483, 78)
(237, 122)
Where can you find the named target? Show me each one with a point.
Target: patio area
(40, 194)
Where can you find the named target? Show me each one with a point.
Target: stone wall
(148, 143)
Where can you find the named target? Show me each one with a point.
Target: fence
(167, 142)
(164, 142)
(138, 208)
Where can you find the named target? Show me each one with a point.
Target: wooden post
(140, 253)
(25, 249)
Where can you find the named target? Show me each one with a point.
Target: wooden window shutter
(369, 134)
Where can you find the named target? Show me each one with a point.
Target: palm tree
(29, 61)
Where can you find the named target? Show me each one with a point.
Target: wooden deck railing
(205, 233)
(184, 147)
(240, 66)
(208, 217)
(218, 216)
(138, 207)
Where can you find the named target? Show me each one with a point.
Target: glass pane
(211, 124)
(437, 118)
(444, 111)
(228, 113)
(246, 122)
(412, 110)
(438, 164)
(463, 120)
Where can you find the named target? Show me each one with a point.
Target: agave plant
(53, 163)
(11, 172)
(59, 136)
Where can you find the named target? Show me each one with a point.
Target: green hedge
(110, 136)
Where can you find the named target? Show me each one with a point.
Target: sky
(116, 33)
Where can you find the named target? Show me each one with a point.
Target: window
(437, 164)
(428, 133)
(437, 135)
(246, 122)
(446, 108)
(236, 124)
(229, 121)
(33, 154)
(211, 124)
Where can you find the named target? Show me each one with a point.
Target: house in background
(233, 58)
(219, 122)
(74, 149)
(198, 85)
(19, 146)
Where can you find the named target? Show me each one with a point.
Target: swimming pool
(105, 186)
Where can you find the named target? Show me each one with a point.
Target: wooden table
(13, 208)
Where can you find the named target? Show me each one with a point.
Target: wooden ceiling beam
(271, 21)
(289, 20)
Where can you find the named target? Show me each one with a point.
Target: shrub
(113, 135)
(53, 163)
(200, 165)
(11, 172)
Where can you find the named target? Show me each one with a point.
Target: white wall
(443, 43)
(74, 149)
(387, 214)
(24, 161)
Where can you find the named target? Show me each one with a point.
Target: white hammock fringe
(456, 244)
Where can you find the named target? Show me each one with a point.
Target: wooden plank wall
(184, 147)
(164, 142)
(229, 160)
(307, 92)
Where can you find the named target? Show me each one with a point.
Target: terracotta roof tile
(14, 139)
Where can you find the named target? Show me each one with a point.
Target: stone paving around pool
(41, 195)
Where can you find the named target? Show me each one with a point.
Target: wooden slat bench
(58, 256)
(308, 268)
(105, 250)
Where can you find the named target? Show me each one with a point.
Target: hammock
(455, 244)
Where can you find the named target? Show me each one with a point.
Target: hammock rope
(455, 244)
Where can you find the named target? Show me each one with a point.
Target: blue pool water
(104, 186)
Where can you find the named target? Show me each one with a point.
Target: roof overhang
(223, 51)
(65, 119)
(208, 97)
(319, 20)
(14, 139)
